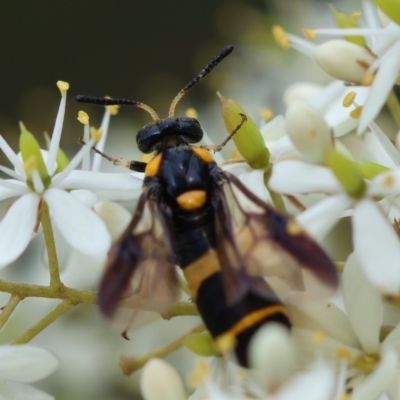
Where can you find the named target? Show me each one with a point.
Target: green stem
(8, 309)
(55, 280)
(132, 364)
(394, 106)
(23, 290)
(276, 197)
(43, 323)
(183, 308)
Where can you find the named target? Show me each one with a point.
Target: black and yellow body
(226, 240)
(184, 180)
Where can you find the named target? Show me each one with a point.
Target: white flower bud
(308, 131)
(343, 60)
(301, 91)
(161, 381)
(272, 354)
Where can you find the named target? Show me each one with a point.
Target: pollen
(113, 110)
(293, 228)
(96, 134)
(368, 79)
(355, 16)
(366, 363)
(348, 99)
(343, 353)
(191, 113)
(200, 375)
(388, 181)
(281, 37)
(356, 112)
(63, 86)
(266, 113)
(318, 337)
(309, 34)
(83, 118)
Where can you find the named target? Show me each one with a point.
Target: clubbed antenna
(114, 102)
(205, 71)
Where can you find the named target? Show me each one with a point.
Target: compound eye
(147, 138)
(190, 129)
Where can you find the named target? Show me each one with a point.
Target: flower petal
(100, 181)
(312, 314)
(10, 188)
(377, 246)
(16, 228)
(80, 226)
(296, 177)
(20, 391)
(363, 305)
(383, 83)
(114, 216)
(86, 197)
(317, 383)
(25, 363)
(320, 218)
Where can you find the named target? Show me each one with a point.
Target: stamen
(348, 99)
(281, 37)
(266, 113)
(356, 113)
(343, 353)
(309, 34)
(63, 86)
(96, 134)
(368, 79)
(83, 118)
(191, 113)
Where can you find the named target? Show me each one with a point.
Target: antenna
(205, 71)
(114, 102)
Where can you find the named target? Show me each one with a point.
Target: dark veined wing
(140, 273)
(253, 240)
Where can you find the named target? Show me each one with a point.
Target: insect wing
(140, 273)
(255, 240)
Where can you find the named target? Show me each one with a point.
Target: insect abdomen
(239, 321)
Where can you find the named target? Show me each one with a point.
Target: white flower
(352, 339)
(21, 364)
(385, 44)
(76, 222)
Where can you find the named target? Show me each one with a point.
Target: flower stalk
(8, 309)
(132, 364)
(55, 281)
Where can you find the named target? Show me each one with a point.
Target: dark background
(143, 50)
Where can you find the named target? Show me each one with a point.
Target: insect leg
(138, 166)
(219, 147)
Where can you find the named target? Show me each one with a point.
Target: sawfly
(224, 238)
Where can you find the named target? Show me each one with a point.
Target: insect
(225, 239)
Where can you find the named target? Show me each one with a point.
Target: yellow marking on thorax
(198, 271)
(253, 318)
(192, 200)
(203, 154)
(153, 166)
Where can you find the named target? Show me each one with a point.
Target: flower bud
(308, 131)
(31, 154)
(347, 173)
(201, 344)
(248, 138)
(370, 169)
(346, 21)
(160, 381)
(343, 60)
(391, 8)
